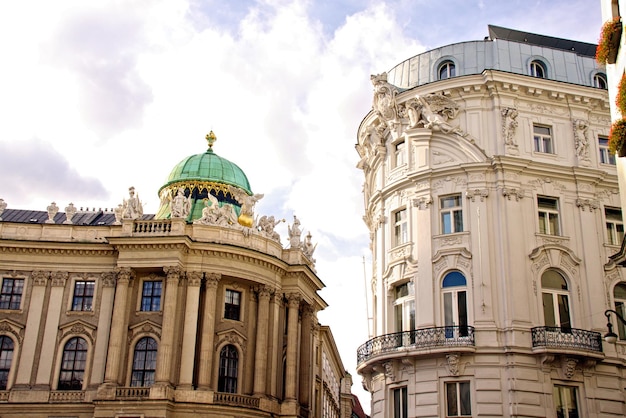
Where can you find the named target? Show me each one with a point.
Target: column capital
(173, 272)
(264, 291)
(59, 278)
(308, 311)
(194, 278)
(108, 279)
(40, 277)
(124, 274)
(212, 279)
(293, 299)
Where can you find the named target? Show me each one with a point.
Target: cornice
(6, 247)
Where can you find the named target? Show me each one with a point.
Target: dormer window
(538, 69)
(446, 70)
(599, 81)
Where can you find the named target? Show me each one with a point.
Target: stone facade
(493, 208)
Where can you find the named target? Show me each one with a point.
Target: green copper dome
(208, 167)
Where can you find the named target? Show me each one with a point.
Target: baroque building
(197, 310)
(493, 208)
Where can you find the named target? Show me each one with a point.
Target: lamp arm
(607, 313)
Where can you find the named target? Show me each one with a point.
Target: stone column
(194, 279)
(262, 325)
(293, 303)
(59, 278)
(166, 346)
(33, 321)
(104, 326)
(208, 332)
(306, 358)
(118, 325)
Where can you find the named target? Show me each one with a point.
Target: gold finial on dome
(211, 138)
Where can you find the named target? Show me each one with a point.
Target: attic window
(538, 69)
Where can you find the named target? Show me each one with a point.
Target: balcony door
(455, 305)
(555, 297)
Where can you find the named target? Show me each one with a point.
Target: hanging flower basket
(620, 100)
(608, 44)
(617, 138)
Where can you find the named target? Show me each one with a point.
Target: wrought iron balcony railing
(564, 337)
(452, 336)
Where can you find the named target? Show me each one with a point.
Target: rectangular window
(606, 156)
(548, 215)
(458, 400)
(451, 214)
(11, 293)
(565, 401)
(232, 305)
(83, 295)
(614, 225)
(151, 296)
(401, 234)
(400, 407)
(542, 137)
(399, 152)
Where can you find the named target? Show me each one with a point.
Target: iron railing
(565, 337)
(451, 336)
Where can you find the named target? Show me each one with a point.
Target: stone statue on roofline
(384, 98)
(132, 208)
(308, 248)
(180, 205)
(247, 202)
(70, 211)
(52, 209)
(3, 206)
(294, 233)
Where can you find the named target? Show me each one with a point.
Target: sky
(96, 97)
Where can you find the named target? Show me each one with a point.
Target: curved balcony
(561, 338)
(419, 339)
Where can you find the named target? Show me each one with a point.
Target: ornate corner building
(197, 311)
(492, 203)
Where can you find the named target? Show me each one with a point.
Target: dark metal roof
(581, 48)
(93, 218)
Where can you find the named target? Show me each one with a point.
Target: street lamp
(611, 337)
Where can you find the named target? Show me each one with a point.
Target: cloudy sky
(98, 96)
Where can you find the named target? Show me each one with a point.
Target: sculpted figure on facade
(180, 205)
(70, 211)
(384, 97)
(509, 127)
(132, 208)
(53, 209)
(3, 206)
(432, 112)
(294, 233)
(308, 248)
(118, 212)
(266, 227)
(210, 212)
(581, 139)
(246, 215)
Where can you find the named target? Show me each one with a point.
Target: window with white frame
(619, 296)
(232, 305)
(548, 214)
(458, 399)
(399, 154)
(599, 81)
(538, 69)
(555, 299)
(400, 227)
(6, 358)
(566, 401)
(614, 225)
(542, 139)
(446, 69)
(454, 291)
(11, 293)
(151, 295)
(451, 213)
(606, 156)
(404, 307)
(400, 406)
(82, 300)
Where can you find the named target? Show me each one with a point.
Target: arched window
(446, 69)
(599, 81)
(144, 362)
(229, 362)
(73, 364)
(538, 69)
(619, 294)
(454, 288)
(555, 296)
(6, 357)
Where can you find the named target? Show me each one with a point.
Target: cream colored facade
(110, 317)
(493, 207)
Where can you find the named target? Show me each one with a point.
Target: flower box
(617, 138)
(608, 44)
